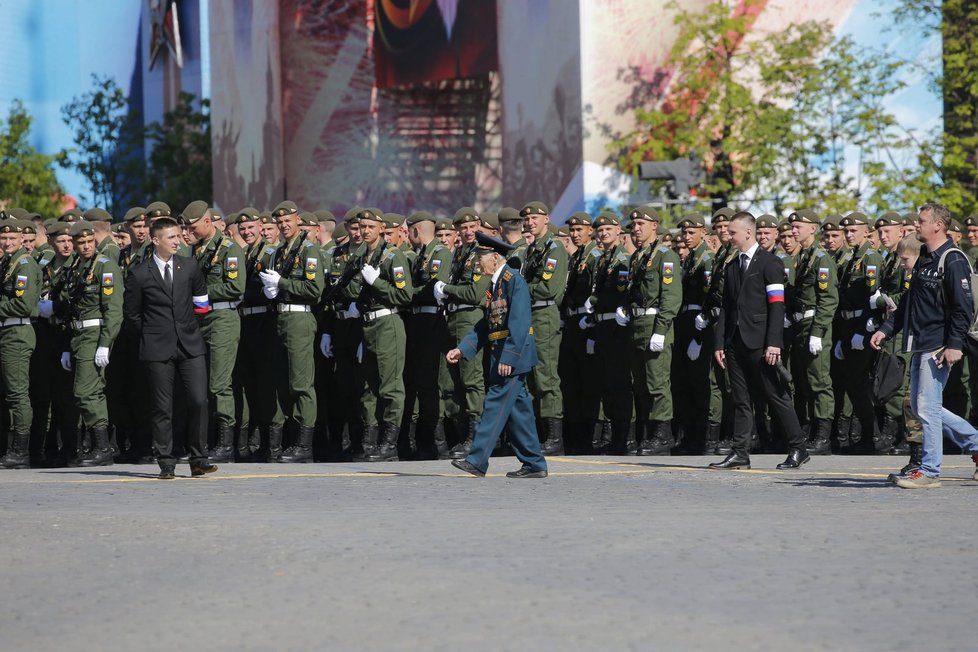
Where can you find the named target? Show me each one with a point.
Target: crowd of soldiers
(327, 342)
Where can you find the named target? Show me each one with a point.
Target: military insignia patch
(435, 265)
(399, 281)
(667, 272)
(311, 265)
(231, 264)
(20, 286)
(823, 278)
(551, 265)
(870, 275)
(108, 283)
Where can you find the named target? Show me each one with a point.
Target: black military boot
(884, 440)
(223, 450)
(370, 434)
(461, 449)
(843, 428)
(101, 453)
(302, 450)
(18, 455)
(274, 443)
(386, 450)
(602, 437)
(554, 443)
(900, 446)
(712, 439)
(636, 434)
(658, 439)
(916, 459)
(441, 443)
(820, 442)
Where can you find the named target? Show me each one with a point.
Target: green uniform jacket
(43, 256)
(545, 270)
(393, 288)
(220, 260)
(257, 259)
(816, 288)
(518, 255)
(697, 272)
(655, 281)
(93, 290)
(714, 297)
(581, 276)
(408, 252)
(433, 263)
(302, 275)
(858, 280)
(894, 281)
(53, 275)
(610, 290)
(20, 285)
(467, 285)
(108, 248)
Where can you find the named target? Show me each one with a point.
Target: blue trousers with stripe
(508, 402)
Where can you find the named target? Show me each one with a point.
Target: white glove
(657, 343)
(693, 350)
(270, 291)
(701, 322)
(589, 306)
(370, 274)
(360, 352)
(837, 352)
(439, 292)
(353, 312)
(584, 323)
(102, 357)
(814, 345)
(66, 361)
(857, 342)
(326, 345)
(589, 345)
(871, 325)
(270, 278)
(873, 298)
(622, 316)
(45, 308)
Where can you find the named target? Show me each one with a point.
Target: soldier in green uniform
(463, 297)
(90, 306)
(697, 404)
(220, 260)
(446, 234)
(767, 232)
(511, 232)
(386, 289)
(342, 337)
(20, 287)
(612, 348)
(893, 279)
(54, 409)
(834, 243)
(655, 295)
(257, 330)
(295, 283)
(810, 310)
(578, 366)
(545, 271)
(101, 220)
(426, 334)
(858, 292)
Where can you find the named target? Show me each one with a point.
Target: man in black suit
(163, 295)
(750, 331)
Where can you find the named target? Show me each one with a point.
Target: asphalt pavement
(607, 553)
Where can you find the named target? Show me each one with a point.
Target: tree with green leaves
(180, 159)
(27, 177)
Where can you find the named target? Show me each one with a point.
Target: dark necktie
(167, 279)
(744, 261)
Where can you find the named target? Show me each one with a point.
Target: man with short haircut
(934, 315)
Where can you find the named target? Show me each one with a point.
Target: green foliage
(180, 162)
(27, 177)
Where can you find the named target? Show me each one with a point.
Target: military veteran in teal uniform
(507, 331)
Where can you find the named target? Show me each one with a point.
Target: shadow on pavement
(103, 472)
(843, 483)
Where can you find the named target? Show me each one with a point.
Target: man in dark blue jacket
(507, 330)
(934, 315)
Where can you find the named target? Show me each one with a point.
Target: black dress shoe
(198, 469)
(732, 461)
(527, 472)
(795, 459)
(468, 468)
(166, 473)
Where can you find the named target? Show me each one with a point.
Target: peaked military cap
(580, 219)
(58, 228)
(353, 215)
(855, 218)
(489, 220)
(766, 221)
(372, 215)
(889, 218)
(563, 231)
(285, 208)
(465, 214)
(644, 213)
(158, 209)
(340, 232)
(308, 219)
(607, 218)
(27, 226)
(10, 225)
(784, 225)
(70, 215)
(247, 214)
(18, 213)
(194, 211)
(804, 215)
(134, 213)
(488, 244)
(393, 220)
(909, 219)
(79, 229)
(722, 215)
(118, 227)
(832, 223)
(971, 220)
(508, 214)
(266, 217)
(955, 226)
(324, 215)
(534, 208)
(420, 216)
(692, 220)
(444, 225)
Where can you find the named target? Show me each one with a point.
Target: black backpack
(887, 376)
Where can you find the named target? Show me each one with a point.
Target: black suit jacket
(165, 318)
(752, 304)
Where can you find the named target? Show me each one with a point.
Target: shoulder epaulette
(507, 275)
(329, 252)
(227, 243)
(270, 250)
(308, 244)
(103, 259)
(553, 244)
(43, 262)
(390, 254)
(439, 247)
(819, 253)
(596, 252)
(663, 248)
(23, 261)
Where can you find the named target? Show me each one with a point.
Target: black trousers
(753, 380)
(193, 376)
